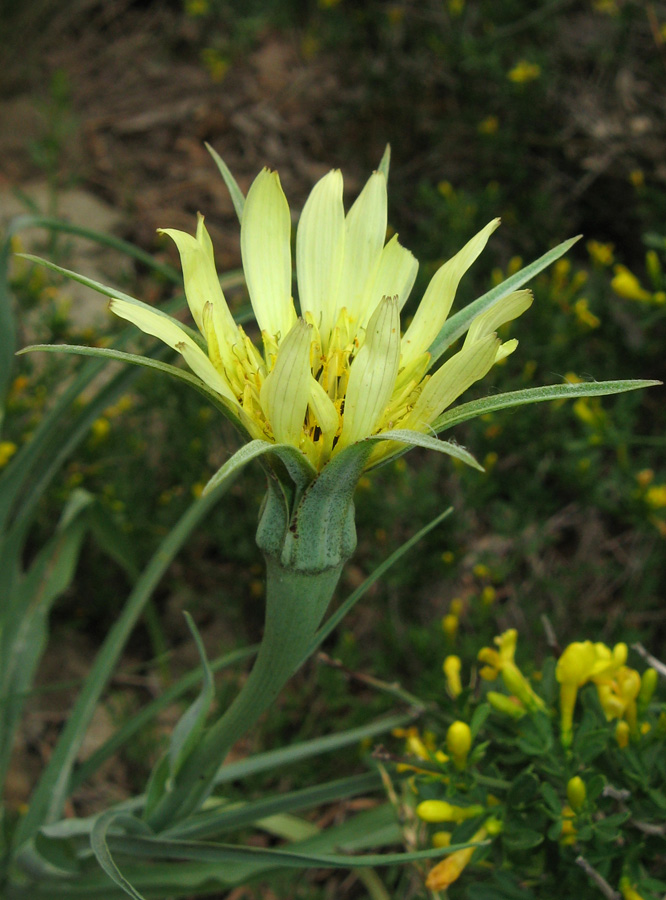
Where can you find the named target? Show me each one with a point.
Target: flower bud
(442, 811)
(510, 706)
(576, 792)
(622, 734)
(452, 666)
(458, 743)
(649, 681)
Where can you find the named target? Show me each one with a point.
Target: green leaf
(51, 792)
(25, 617)
(292, 458)
(100, 847)
(189, 728)
(134, 724)
(523, 790)
(237, 197)
(238, 815)
(521, 838)
(552, 798)
(146, 362)
(535, 395)
(418, 439)
(159, 848)
(458, 324)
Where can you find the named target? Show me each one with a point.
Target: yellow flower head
(335, 369)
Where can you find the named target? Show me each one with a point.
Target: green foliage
(548, 805)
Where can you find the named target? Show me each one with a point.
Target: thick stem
(296, 603)
(305, 549)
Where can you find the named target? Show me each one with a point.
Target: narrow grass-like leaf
(100, 847)
(536, 395)
(51, 792)
(428, 442)
(146, 715)
(189, 727)
(235, 192)
(7, 328)
(458, 324)
(159, 848)
(135, 359)
(234, 816)
(25, 616)
(272, 759)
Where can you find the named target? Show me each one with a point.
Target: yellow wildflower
(628, 891)
(580, 662)
(655, 496)
(459, 743)
(452, 666)
(441, 811)
(502, 662)
(583, 314)
(601, 254)
(524, 71)
(451, 867)
(576, 792)
(342, 371)
(626, 285)
(7, 450)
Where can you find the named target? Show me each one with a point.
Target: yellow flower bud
(510, 706)
(451, 867)
(452, 666)
(441, 839)
(441, 811)
(450, 625)
(458, 743)
(622, 734)
(626, 285)
(576, 792)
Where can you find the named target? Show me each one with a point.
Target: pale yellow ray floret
(342, 372)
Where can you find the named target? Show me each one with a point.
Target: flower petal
(286, 391)
(266, 252)
(394, 277)
(202, 284)
(167, 330)
(505, 310)
(327, 417)
(372, 374)
(365, 228)
(320, 242)
(439, 296)
(449, 381)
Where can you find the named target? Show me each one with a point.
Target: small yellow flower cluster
(524, 72)
(452, 866)
(628, 286)
(501, 662)
(618, 686)
(601, 254)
